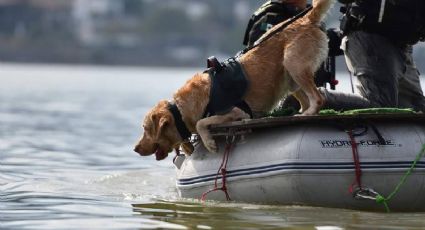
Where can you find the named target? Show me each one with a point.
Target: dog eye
(146, 128)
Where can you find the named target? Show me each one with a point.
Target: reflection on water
(245, 216)
(66, 160)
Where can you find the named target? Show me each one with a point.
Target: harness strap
(241, 105)
(180, 125)
(245, 107)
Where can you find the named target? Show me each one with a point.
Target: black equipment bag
(269, 14)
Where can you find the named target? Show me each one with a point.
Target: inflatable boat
(360, 161)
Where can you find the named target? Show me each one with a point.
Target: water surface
(66, 159)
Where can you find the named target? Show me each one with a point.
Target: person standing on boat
(377, 44)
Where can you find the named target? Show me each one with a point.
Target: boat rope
(356, 160)
(384, 200)
(230, 143)
(354, 147)
(370, 194)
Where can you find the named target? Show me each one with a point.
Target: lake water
(66, 159)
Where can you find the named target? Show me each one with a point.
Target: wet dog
(285, 63)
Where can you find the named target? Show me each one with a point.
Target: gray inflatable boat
(348, 161)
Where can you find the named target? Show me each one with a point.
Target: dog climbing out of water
(282, 64)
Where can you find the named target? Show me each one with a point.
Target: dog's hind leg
(305, 80)
(302, 61)
(302, 99)
(203, 124)
(308, 88)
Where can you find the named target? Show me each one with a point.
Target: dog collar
(180, 125)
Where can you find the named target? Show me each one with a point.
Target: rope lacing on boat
(230, 143)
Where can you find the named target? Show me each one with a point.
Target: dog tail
(320, 8)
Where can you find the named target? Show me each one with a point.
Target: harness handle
(213, 63)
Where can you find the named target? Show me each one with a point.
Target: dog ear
(162, 124)
(187, 148)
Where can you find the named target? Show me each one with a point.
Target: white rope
(381, 11)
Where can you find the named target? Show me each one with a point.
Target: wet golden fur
(283, 64)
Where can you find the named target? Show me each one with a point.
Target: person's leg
(343, 101)
(374, 61)
(410, 91)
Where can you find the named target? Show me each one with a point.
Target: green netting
(326, 112)
(279, 112)
(367, 111)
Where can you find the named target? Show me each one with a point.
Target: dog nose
(136, 148)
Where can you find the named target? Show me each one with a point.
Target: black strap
(241, 105)
(278, 29)
(245, 107)
(180, 125)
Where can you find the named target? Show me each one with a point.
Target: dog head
(160, 133)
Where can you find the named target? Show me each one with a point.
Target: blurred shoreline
(23, 73)
(175, 33)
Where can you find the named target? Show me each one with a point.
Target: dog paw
(309, 113)
(211, 146)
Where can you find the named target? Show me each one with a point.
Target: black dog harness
(228, 87)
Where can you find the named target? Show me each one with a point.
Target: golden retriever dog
(284, 63)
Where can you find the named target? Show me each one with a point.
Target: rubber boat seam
(299, 166)
(408, 163)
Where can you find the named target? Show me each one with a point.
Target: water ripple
(66, 160)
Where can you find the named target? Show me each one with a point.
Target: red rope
(222, 170)
(356, 160)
